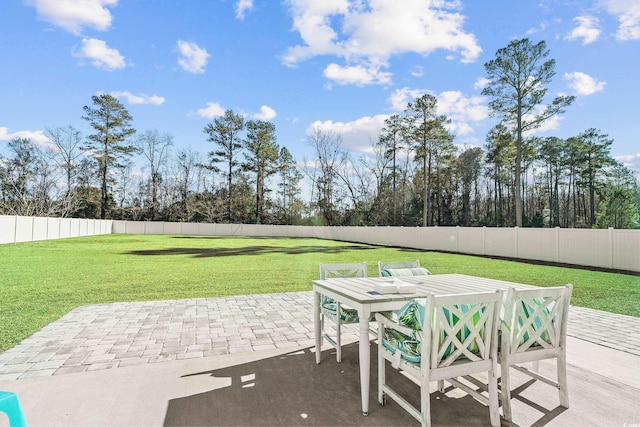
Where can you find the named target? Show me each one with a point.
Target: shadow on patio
(292, 390)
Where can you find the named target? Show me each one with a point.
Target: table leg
(365, 360)
(316, 325)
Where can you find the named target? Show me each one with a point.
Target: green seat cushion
(347, 314)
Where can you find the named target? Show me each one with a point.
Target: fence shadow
(204, 252)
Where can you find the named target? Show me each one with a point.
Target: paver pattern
(106, 336)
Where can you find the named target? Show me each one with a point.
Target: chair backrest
(328, 271)
(382, 265)
(462, 327)
(535, 319)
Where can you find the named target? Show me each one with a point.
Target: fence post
(484, 240)
(610, 247)
(557, 244)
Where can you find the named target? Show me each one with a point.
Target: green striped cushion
(529, 311)
(463, 333)
(412, 315)
(346, 314)
(413, 271)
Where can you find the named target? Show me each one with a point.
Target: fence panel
(19, 229)
(538, 244)
(447, 238)
(53, 228)
(625, 250)
(24, 229)
(501, 242)
(471, 239)
(39, 228)
(585, 247)
(7, 229)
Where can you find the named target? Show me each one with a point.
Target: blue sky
(339, 64)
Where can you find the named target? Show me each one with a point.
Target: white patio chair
(534, 329)
(339, 314)
(458, 338)
(401, 268)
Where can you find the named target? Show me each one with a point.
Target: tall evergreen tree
(427, 132)
(392, 139)
(596, 148)
(261, 154)
(289, 184)
(518, 80)
(225, 133)
(109, 146)
(469, 166)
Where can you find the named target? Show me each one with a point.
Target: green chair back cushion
(412, 315)
(413, 271)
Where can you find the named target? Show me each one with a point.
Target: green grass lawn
(42, 281)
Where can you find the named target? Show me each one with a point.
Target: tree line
(416, 175)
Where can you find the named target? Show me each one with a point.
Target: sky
(342, 65)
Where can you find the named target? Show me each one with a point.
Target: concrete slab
(288, 388)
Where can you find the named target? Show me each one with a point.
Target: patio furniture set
(444, 327)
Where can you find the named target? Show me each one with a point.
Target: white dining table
(358, 293)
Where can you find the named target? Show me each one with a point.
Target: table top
(361, 289)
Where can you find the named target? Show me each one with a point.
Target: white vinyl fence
(17, 229)
(614, 249)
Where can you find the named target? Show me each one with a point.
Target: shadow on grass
(250, 250)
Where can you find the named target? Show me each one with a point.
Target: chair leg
(505, 391)
(494, 412)
(425, 402)
(381, 375)
(338, 339)
(563, 388)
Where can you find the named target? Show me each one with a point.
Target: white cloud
(266, 113)
(242, 6)
(481, 83)
(588, 29)
(399, 98)
(212, 110)
(462, 110)
(583, 84)
(417, 71)
(37, 136)
(100, 55)
(193, 58)
(367, 33)
(139, 99)
(631, 161)
(543, 26)
(358, 75)
(357, 135)
(74, 15)
(552, 123)
(628, 14)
